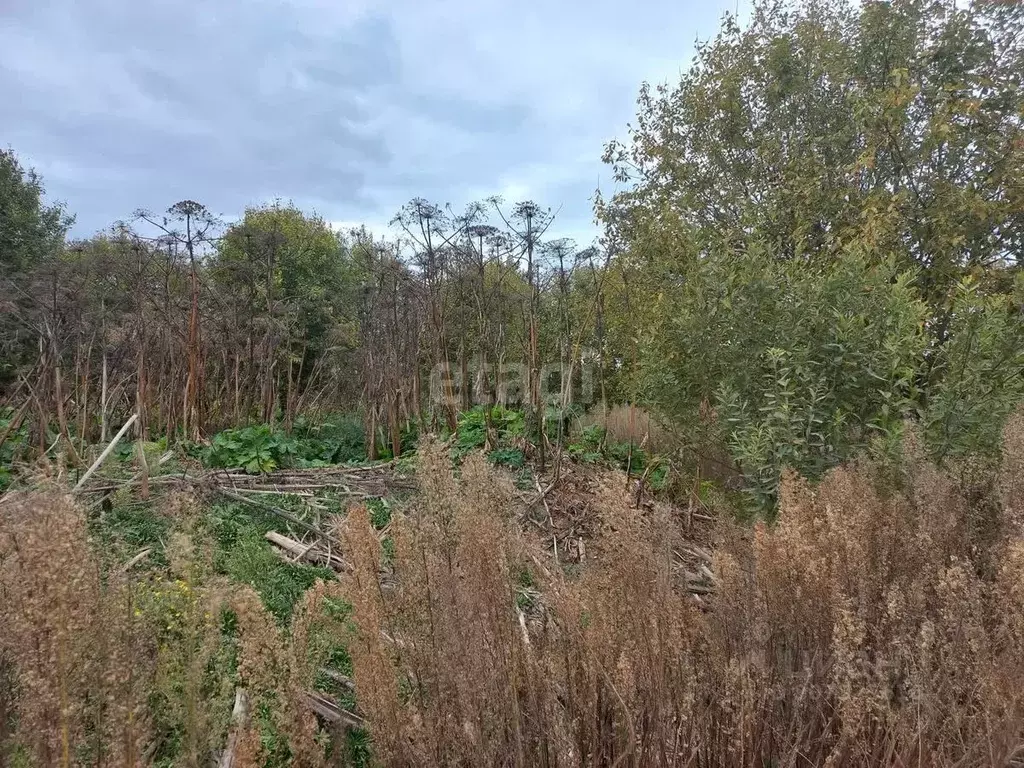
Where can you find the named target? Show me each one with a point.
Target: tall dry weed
(858, 630)
(630, 424)
(278, 670)
(880, 621)
(81, 659)
(440, 662)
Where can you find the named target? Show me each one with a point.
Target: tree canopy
(825, 127)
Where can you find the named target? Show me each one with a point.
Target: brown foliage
(81, 660)
(630, 424)
(437, 663)
(857, 631)
(276, 671)
(879, 622)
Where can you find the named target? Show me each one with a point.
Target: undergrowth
(13, 440)
(263, 448)
(594, 446)
(873, 625)
(877, 622)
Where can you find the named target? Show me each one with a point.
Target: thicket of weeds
(880, 621)
(875, 624)
(108, 660)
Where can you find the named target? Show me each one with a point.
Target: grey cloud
(122, 104)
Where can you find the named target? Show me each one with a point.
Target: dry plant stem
(239, 718)
(106, 452)
(14, 423)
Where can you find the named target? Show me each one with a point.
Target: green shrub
(976, 379)
(507, 457)
(338, 439)
(263, 448)
(380, 512)
(255, 449)
(805, 364)
(472, 428)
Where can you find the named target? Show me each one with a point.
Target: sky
(348, 108)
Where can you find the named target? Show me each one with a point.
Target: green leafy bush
(976, 375)
(593, 447)
(263, 448)
(380, 512)
(805, 365)
(255, 449)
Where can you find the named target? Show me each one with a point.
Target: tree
(891, 128)
(289, 284)
(823, 232)
(30, 233)
(30, 230)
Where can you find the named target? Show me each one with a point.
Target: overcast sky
(346, 107)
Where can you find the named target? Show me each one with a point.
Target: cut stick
(143, 470)
(239, 714)
(307, 552)
(522, 626)
(137, 559)
(296, 548)
(330, 710)
(106, 452)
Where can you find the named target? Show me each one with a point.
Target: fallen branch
(343, 680)
(106, 452)
(331, 711)
(307, 552)
(137, 559)
(239, 714)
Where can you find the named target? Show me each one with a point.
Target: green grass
(126, 529)
(243, 554)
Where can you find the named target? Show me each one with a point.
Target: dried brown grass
(80, 657)
(857, 631)
(99, 668)
(879, 622)
(438, 667)
(276, 673)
